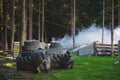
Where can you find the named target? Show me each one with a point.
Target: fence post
(119, 51)
(94, 47)
(95, 44)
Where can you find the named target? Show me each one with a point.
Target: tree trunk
(112, 29)
(73, 21)
(39, 23)
(118, 12)
(42, 20)
(1, 24)
(12, 26)
(23, 27)
(5, 47)
(30, 20)
(103, 23)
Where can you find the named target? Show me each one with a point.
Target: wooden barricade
(16, 48)
(104, 49)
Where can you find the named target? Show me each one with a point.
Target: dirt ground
(10, 73)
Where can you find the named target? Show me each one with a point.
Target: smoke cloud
(90, 35)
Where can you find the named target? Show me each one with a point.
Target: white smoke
(90, 35)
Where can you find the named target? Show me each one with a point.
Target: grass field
(86, 68)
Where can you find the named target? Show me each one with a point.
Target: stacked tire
(27, 60)
(31, 45)
(56, 45)
(25, 63)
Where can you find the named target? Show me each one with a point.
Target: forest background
(56, 19)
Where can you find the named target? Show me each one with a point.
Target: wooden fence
(104, 49)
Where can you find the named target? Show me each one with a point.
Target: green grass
(7, 64)
(86, 68)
